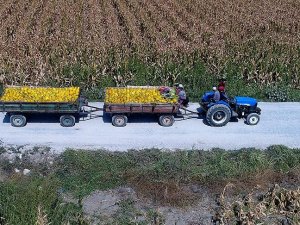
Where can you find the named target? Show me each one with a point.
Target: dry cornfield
(87, 42)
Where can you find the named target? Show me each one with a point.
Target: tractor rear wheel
(218, 115)
(252, 119)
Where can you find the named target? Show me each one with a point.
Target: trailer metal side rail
(48, 107)
(141, 108)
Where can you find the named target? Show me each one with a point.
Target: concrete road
(279, 124)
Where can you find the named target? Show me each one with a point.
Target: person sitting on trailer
(183, 99)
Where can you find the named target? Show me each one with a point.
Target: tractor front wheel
(218, 115)
(252, 119)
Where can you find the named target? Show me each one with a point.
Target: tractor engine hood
(246, 101)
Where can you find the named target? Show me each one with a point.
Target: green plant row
(257, 68)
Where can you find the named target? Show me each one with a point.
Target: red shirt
(221, 84)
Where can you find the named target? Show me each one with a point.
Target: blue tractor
(219, 113)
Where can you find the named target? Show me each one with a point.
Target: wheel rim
(18, 121)
(219, 117)
(119, 121)
(253, 120)
(167, 120)
(67, 121)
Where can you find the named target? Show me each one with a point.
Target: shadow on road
(38, 118)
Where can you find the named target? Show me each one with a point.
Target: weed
(20, 198)
(83, 172)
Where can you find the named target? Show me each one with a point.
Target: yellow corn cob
(40, 94)
(136, 95)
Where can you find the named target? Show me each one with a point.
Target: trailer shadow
(146, 118)
(6, 118)
(38, 118)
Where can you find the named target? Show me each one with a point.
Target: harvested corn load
(140, 95)
(40, 94)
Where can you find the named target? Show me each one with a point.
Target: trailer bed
(120, 112)
(49, 107)
(18, 112)
(141, 108)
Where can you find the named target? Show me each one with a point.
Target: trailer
(19, 110)
(121, 102)
(121, 112)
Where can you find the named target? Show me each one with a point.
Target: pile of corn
(40, 94)
(138, 95)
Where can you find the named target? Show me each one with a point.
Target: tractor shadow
(201, 116)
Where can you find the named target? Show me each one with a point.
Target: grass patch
(154, 172)
(83, 172)
(21, 197)
(162, 176)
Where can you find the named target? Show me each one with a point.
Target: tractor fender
(221, 103)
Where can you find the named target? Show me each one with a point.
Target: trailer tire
(252, 119)
(166, 120)
(67, 120)
(218, 115)
(119, 120)
(18, 120)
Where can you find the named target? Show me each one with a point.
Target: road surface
(279, 124)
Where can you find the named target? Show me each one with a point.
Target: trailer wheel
(119, 120)
(18, 120)
(166, 120)
(218, 115)
(67, 121)
(252, 119)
